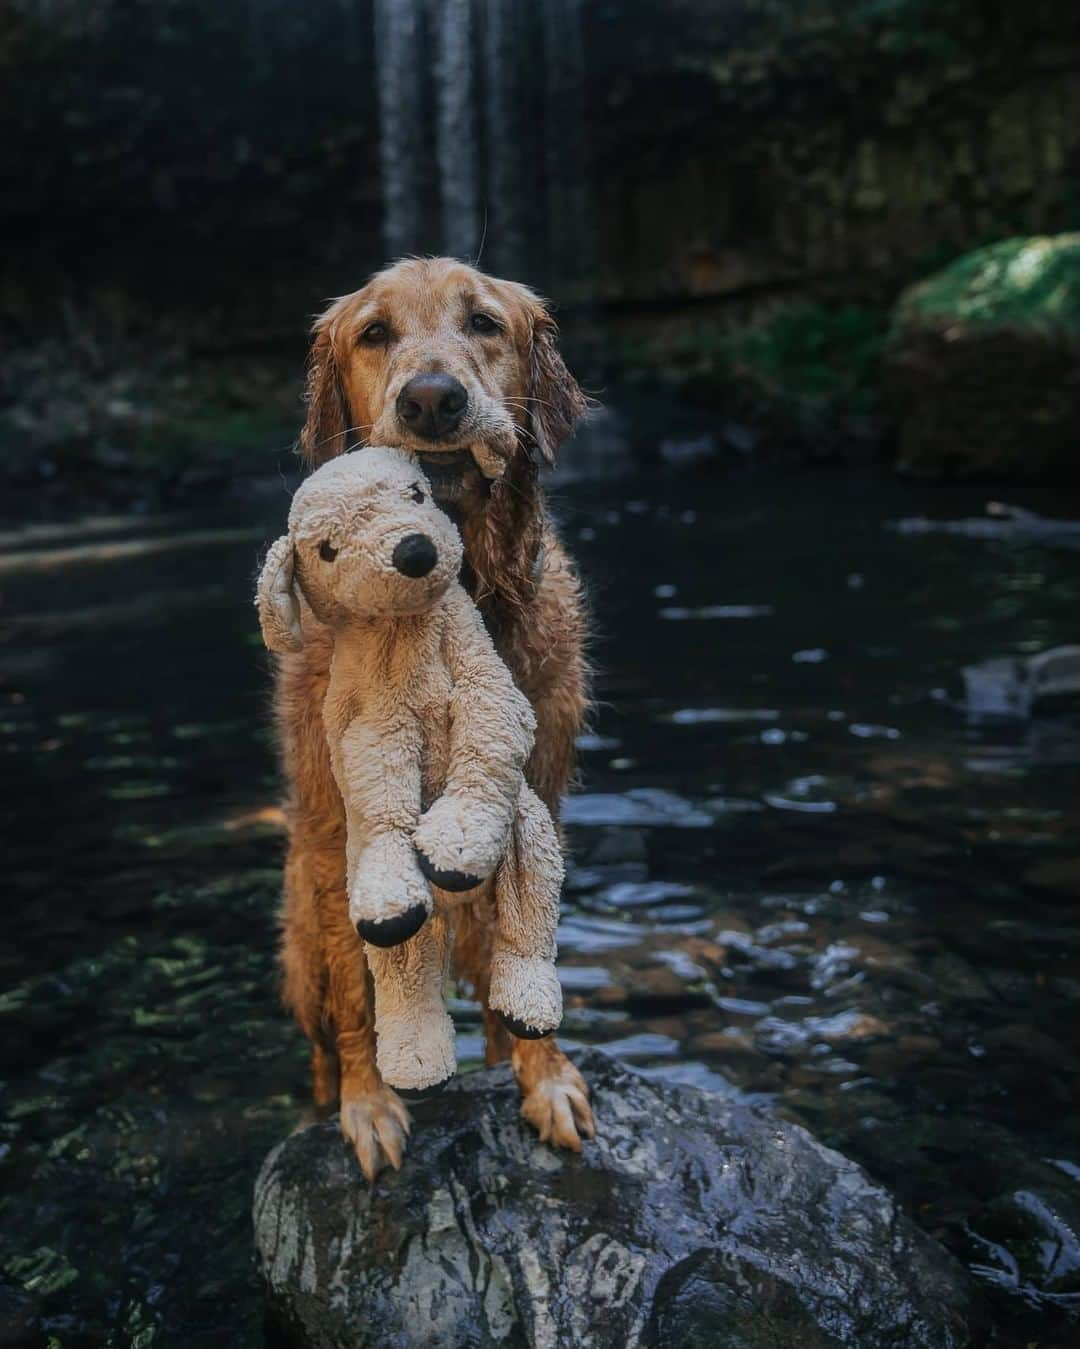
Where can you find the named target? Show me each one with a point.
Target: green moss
(1028, 283)
(802, 374)
(160, 429)
(820, 361)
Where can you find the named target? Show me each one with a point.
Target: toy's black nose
(432, 405)
(415, 555)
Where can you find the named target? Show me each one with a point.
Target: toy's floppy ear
(276, 599)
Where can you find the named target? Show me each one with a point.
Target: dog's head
(365, 541)
(444, 362)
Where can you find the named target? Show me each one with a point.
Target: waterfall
(481, 106)
(456, 127)
(399, 37)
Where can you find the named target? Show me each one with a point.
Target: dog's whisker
(527, 398)
(348, 430)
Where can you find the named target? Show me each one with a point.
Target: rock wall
(831, 148)
(187, 163)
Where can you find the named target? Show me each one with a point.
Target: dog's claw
(557, 1106)
(377, 1125)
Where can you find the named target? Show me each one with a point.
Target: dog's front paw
(459, 843)
(556, 1099)
(377, 1125)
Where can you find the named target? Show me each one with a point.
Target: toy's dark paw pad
(393, 931)
(414, 1094)
(454, 881)
(520, 1029)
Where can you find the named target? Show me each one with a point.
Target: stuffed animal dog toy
(428, 739)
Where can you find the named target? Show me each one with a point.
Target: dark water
(798, 874)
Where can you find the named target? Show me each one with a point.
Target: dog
(461, 370)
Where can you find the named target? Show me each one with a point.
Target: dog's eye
(484, 324)
(375, 334)
(416, 493)
(327, 551)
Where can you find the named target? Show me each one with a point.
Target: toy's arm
(380, 772)
(464, 833)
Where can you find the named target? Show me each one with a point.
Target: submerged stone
(692, 1220)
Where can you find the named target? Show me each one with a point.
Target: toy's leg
(524, 987)
(415, 1034)
(555, 1097)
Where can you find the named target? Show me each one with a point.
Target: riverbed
(802, 872)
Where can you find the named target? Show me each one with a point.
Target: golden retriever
(462, 370)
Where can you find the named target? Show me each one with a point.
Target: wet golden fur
(527, 403)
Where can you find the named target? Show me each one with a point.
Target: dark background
(820, 262)
(724, 199)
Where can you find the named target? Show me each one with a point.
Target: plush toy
(428, 739)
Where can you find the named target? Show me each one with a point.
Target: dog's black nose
(432, 405)
(415, 555)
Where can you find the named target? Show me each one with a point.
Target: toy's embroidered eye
(327, 551)
(376, 334)
(484, 324)
(416, 494)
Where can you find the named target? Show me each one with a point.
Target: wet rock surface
(691, 1220)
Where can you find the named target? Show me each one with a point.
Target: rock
(692, 1220)
(981, 373)
(640, 806)
(1029, 1240)
(1018, 686)
(1001, 523)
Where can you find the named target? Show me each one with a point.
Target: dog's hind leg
(304, 976)
(474, 924)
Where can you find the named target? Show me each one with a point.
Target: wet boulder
(982, 375)
(692, 1220)
(1028, 1242)
(1020, 686)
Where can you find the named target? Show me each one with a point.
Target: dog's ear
(326, 429)
(277, 601)
(556, 401)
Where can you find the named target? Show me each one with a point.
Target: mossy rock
(805, 377)
(982, 371)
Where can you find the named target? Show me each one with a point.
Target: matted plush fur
(419, 708)
(529, 596)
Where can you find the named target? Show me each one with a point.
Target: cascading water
(481, 115)
(456, 126)
(399, 31)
